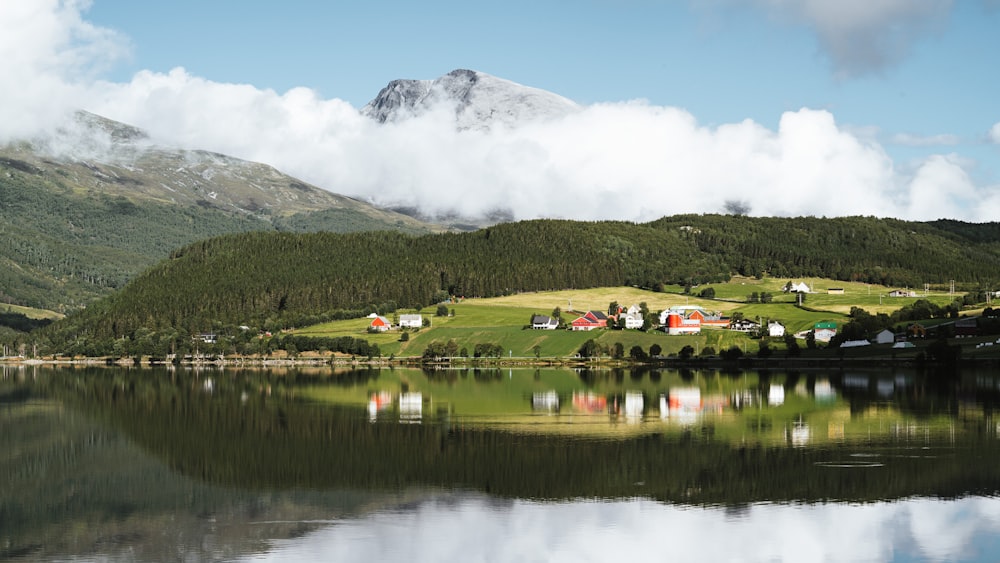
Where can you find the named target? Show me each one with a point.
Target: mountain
(85, 209)
(478, 100)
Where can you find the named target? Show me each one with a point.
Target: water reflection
(497, 465)
(411, 407)
(588, 402)
(378, 402)
(474, 528)
(545, 401)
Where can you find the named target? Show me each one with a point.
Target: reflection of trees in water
(249, 432)
(486, 375)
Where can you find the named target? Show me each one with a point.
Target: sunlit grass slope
(502, 320)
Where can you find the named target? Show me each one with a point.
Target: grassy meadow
(30, 312)
(502, 320)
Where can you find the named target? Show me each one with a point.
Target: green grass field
(30, 312)
(501, 320)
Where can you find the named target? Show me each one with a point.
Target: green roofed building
(824, 331)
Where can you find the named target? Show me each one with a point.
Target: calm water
(498, 465)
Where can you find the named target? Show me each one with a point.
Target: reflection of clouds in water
(478, 529)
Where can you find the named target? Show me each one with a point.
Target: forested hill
(75, 229)
(883, 251)
(287, 279)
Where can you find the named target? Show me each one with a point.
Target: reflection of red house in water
(378, 402)
(590, 321)
(589, 402)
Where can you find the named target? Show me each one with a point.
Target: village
(691, 319)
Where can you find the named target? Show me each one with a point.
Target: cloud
(629, 161)
(910, 140)
(995, 134)
(864, 36)
(480, 530)
(47, 50)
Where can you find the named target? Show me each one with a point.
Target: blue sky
(916, 79)
(723, 62)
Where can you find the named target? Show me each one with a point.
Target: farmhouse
(902, 293)
(632, 318)
(800, 287)
(966, 326)
(380, 324)
(695, 312)
(743, 325)
(775, 329)
(823, 332)
(674, 322)
(410, 321)
(885, 337)
(543, 322)
(590, 321)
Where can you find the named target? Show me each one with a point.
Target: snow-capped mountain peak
(478, 100)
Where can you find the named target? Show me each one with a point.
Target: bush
(733, 353)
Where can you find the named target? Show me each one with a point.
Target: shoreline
(464, 363)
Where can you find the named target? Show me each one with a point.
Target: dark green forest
(278, 280)
(865, 249)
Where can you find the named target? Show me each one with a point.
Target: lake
(324, 464)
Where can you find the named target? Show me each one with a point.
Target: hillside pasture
(503, 320)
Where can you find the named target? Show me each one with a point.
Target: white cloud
(910, 140)
(995, 134)
(863, 36)
(941, 189)
(478, 529)
(47, 51)
(629, 161)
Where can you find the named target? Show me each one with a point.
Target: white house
(543, 322)
(411, 321)
(885, 337)
(800, 287)
(631, 319)
(775, 329)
